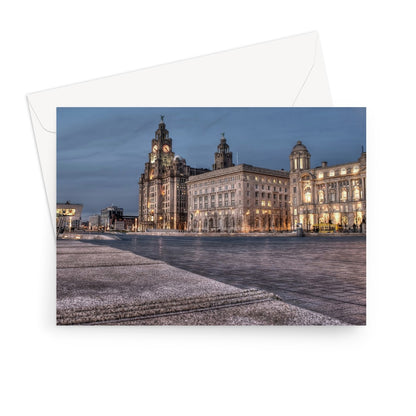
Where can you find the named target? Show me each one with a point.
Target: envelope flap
(276, 73)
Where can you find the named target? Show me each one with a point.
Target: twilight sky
(101, 152)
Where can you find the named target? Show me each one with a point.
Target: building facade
(240, 198)
(68, 216)
(111, 217)
(162, 186)
(327, 198)
(245, 198)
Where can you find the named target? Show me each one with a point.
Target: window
(320, 175)
(294, 189)
(356, 193)
(355, 169)
(331, 173)
(343, 171)
(308, 195)
(321, 197)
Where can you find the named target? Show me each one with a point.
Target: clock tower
(162, 186)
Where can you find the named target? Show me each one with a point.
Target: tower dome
(299, 157)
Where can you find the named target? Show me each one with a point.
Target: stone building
(240, 198)
(162, 186)
(327, 198)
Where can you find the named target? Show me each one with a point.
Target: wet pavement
(326, 274)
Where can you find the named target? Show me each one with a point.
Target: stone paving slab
(272, 312)
(99, 287)
(114, 258)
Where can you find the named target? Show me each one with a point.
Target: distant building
(240, 198)
(130, 222)
(94, 222)
(327, 197)
(162, 186)
(68, 216)
(109, 216)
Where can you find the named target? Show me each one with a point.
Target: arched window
(321, 197)
(308, 195)
(344, 195)
(357, 193)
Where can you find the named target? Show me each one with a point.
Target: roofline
(239, 168)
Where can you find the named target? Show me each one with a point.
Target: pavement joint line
(321, 297)
(142, 318)
(219, 296)
(153, 309)
(108, 265)
(137, 316)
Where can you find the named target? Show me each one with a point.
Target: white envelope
(280, 73)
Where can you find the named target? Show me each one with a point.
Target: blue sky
(101, 152)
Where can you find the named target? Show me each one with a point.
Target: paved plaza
(100, 284)
(326, 274)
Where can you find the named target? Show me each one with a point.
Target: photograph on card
(211, 216)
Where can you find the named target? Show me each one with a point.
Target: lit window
(331, 173)
(320, 175)
(343, 171)
(263, 203)
(355, 169)
(308, 194)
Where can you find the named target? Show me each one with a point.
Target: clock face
(165, 148)
(155, 148)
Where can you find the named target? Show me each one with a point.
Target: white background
(370, 58)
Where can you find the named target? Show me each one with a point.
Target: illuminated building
(246, 198)
(327, 198)
(240, 198)
(68, 216)
(94, 222)
(162, 186)
(111, 218)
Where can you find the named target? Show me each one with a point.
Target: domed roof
(299, 146)
(178, 158)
